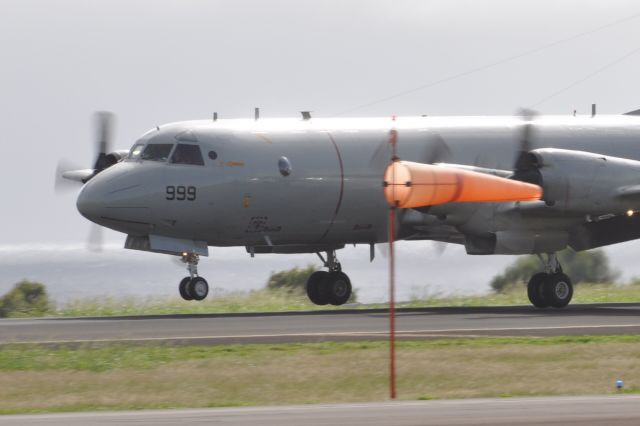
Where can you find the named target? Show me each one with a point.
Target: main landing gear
(193, 287)
(329, 287)
(550, 288)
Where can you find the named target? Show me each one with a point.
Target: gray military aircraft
(310, 185)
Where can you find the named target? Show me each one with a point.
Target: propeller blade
(380, 157)
(524, 169)
(435, 150)
(383, 250)
(104, 123)
(80, 176)
(439, 247)
(63, 181)
(95, 241)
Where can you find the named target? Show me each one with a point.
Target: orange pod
(410, 185)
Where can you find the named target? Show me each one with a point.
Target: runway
(346, 325)
(585, 411)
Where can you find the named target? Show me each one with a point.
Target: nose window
(136, 150)
(187, 154)
(157, 152)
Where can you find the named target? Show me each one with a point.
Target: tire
(198, 288)
(182, 288)
(535, 290)
(338, 288)
(558, 290)
(316, 290)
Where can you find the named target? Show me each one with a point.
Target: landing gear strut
(552, 287)
(193, 287)
(329, 287)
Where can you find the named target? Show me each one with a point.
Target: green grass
(253, 301)
(583, 293)
(274, 301)
(108, 377)
(106, 357)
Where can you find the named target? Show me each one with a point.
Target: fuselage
(288, 182)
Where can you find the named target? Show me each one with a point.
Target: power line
(493, 64)
(588, 76)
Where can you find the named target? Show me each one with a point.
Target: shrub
(26, 299)
(582, 267)
(294, 281)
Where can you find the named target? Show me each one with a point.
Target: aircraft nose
(89, 204)
(116, 198)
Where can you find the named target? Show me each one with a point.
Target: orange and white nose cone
(410, 185)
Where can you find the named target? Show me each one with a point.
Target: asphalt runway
(427, 323)
(584, 411)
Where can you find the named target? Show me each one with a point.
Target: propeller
(435, 150)
(104, 123)
(95, 240)
(70, 177)
(62, 184)
(524, 164)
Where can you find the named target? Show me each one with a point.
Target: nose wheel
(193, 287)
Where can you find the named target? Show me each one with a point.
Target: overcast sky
(158, 61)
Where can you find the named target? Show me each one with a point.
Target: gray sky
(153, 62)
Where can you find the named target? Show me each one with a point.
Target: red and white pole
(393, 139)
(392, 304)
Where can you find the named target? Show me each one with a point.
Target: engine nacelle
(116, 156)
(587, 183)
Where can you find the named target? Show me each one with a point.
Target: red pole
(393, 140)
(392, 303)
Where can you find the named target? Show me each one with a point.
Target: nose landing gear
(552, 287)
(193, 287)
(329, 287)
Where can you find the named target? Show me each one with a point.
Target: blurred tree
(26, 299)
(582, 267)
(294, 281)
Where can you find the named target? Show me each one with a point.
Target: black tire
(535, 290)
(558, 290)
(316, 290)
(182, 288)
(338, 288)
(198, 288)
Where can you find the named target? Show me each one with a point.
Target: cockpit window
(135, 151)
(157, 151)
(187, 154)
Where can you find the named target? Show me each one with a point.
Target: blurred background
(153, 62)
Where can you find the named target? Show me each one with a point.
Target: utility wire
(495, 64)
(588, 76)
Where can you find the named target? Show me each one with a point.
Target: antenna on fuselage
(593, 110)
(256, 114)
(215, 116)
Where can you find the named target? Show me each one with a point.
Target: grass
(254, 301)
(583, 293)
(273, 301)
(40, 379)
